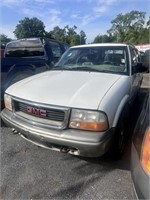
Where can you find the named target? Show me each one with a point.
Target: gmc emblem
(36, 111)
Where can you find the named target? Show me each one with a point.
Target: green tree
(58, 33)
(70, 30)
(4, 39)
(82, 37)
(127, 26)
(103, 39)
(130, 27)
(48, 35)
(143, 37)
(30, 28)
(148, 23)
(69, 35)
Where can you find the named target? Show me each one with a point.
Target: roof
(100, 44)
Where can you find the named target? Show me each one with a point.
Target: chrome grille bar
(55, 117)
(52, 114)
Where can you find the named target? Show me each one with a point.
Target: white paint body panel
(85, 90)
(65, 88)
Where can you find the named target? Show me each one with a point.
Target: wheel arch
(19, 67)
(13, 74)
(123, 108)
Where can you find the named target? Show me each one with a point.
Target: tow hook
(14, 131)
(64, 150)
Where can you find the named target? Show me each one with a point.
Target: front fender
(122, 107)
(116, 99)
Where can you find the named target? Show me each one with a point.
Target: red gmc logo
(36, 111)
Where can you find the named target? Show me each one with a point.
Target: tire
(117, 149)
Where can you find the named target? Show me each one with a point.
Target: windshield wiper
(81, 68)
(59, 68)
(84, 68)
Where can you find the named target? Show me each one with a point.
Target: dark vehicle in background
(146, 59)
(140, 155)
(29, 56)
(2, 49)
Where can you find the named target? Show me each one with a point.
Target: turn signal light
(91, 126)
(7, 100)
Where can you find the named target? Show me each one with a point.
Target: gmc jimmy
(80, 107)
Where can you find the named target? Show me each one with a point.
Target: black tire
(118, 146)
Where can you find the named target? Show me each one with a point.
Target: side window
(66, 46)
(56, 50)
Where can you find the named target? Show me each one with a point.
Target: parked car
(80, 106)
(28, 56)
(140, 155)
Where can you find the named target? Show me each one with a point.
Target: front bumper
(76, 142)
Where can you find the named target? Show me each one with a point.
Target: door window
(56, 50)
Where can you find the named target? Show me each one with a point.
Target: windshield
(108, 59)
(24, 48)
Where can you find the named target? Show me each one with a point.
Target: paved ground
(31, 172)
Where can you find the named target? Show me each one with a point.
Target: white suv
(80, 106)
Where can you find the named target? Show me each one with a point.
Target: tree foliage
(130, 28)
(4, 39)
(35, 28)
(29, 28)
(126, 26)
(69, 35)
(103, 38)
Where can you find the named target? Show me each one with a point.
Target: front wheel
(118, 146)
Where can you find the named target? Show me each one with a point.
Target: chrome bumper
(76, 142)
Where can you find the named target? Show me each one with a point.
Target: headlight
(7, 100)
(88, 120)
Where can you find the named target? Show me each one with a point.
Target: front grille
(52, 116)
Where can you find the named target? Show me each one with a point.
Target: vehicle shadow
(2, 124)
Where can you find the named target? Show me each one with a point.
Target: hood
(65, 88)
